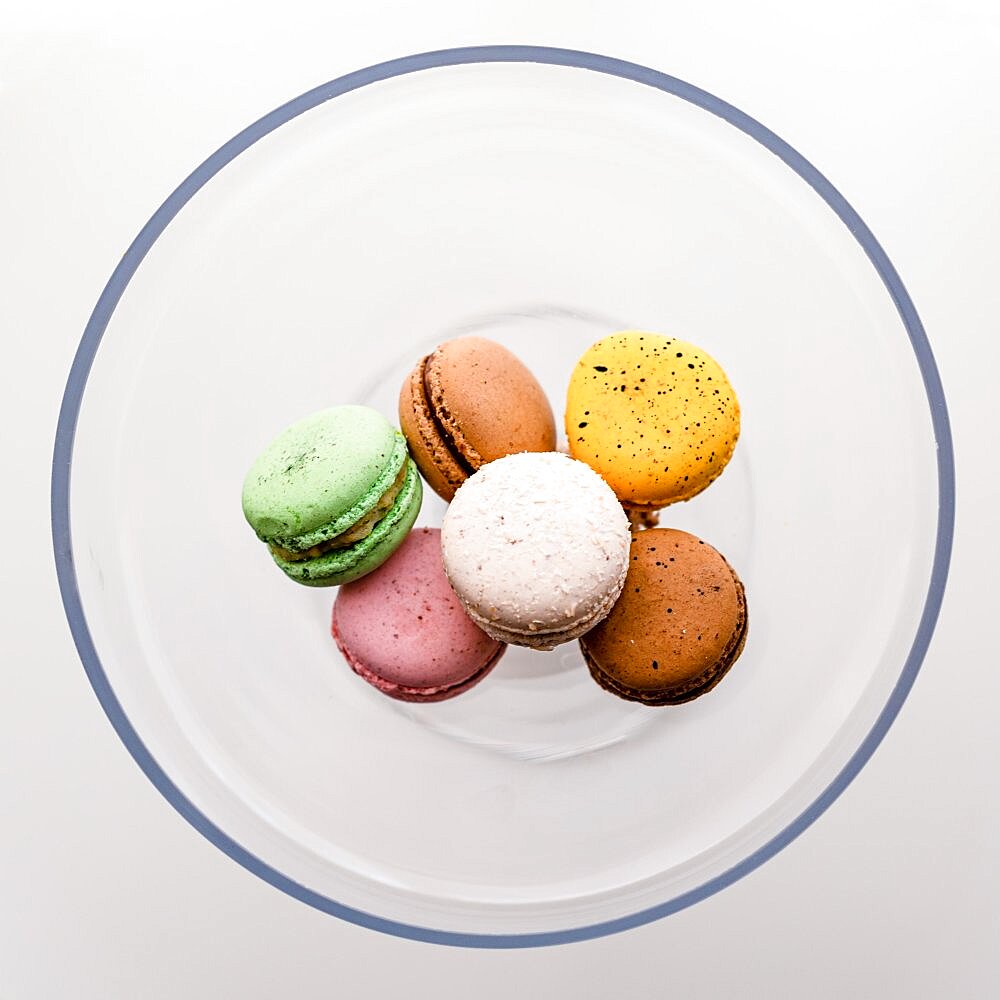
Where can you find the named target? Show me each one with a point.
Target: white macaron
(536, 547)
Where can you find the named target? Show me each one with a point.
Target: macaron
(655, 416)
(678, 627)
(333, 496)
(403, 630)
(536, 547)
(467, 403)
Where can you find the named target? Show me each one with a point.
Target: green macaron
(333, 496)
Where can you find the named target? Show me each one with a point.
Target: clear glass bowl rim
(132, 259)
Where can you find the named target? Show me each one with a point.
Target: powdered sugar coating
(536, 546)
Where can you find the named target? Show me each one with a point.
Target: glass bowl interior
(543, 206)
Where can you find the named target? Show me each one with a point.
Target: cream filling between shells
(356, 532)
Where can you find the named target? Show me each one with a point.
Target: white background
(105, 892)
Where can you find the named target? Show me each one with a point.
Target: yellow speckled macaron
(655, 416)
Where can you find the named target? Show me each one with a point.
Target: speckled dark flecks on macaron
(655, 416)
(678, 627)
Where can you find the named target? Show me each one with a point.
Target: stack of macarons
(536, 548)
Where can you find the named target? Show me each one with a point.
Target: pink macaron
(403, 630)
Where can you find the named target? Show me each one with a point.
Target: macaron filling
(340, 565)
(440, 419)
(354, 533)
(537, 636)
(297, 529)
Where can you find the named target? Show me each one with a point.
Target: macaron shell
(343, 565)
(490, 404)
(406, 692)
(536, 547)
(545, 640)
(679, 625)
(429, 450)
(321, 475)
(403, 629)
(655, 416)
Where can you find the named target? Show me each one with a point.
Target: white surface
(106, 892)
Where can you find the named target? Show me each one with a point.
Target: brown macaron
(468, 403)
(678, 627)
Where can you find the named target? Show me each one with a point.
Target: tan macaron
(678, 627)
(468, 403)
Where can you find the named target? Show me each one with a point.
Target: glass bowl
(544, 198)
